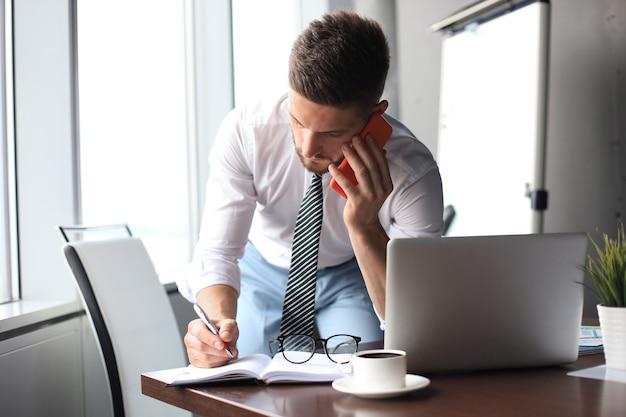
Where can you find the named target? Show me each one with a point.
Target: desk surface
(526, 392)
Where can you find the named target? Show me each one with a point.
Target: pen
(211, 326)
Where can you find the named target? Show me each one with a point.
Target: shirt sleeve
(417, 209)
(228, 212)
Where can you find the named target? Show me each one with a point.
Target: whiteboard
(492, 121)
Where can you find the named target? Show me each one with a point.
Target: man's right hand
(206, 350)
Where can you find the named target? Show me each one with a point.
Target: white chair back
(132, 316)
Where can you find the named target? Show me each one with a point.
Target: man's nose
(310, 144)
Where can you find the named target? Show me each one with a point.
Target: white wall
(587, 115)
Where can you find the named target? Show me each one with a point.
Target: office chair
(131, 314)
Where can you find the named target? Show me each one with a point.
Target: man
(337, 72)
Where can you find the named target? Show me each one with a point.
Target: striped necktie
(299, 304)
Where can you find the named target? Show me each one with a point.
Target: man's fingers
(205, 349)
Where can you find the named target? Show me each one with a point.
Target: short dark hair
(341, 61)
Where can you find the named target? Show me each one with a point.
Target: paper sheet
(601, 372)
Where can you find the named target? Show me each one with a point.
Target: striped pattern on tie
(299, 304)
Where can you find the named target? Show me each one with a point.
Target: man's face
(320, 131)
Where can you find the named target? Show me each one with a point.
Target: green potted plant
(607, 269)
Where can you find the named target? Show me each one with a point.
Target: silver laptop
(486, 302)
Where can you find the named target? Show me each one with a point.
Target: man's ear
(381, 107)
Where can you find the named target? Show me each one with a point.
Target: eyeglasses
(299, 348)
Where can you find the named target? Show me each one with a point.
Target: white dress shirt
(256, 184)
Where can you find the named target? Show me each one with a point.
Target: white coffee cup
(377, 369)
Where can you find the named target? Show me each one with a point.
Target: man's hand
(369, 163)
(206, 350)
(367, 236)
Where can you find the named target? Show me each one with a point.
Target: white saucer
(413, 383)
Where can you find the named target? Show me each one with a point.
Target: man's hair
(341, 61)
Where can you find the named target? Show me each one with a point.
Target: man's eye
(333, 135)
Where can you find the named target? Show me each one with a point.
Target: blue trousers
(342, 304)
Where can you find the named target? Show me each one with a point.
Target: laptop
(485, 302)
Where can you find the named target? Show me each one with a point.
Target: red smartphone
(380, 129)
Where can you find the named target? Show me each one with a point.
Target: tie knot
(315, 189)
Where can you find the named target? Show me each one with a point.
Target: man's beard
(313, 166)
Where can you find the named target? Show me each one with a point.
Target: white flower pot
(613, 326)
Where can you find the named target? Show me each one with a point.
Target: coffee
(378, 369)
(380, 355)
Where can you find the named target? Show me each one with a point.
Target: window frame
(9, 278)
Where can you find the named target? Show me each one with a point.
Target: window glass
(263, 32)
(133, 144)
(491, 131)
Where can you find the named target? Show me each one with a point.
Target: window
(133, 141)
(263, 32)
(8, 275)
(153, 80)
(139, 162)
(492, 119)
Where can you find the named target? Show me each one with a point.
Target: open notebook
(263, 368)
(473, 303)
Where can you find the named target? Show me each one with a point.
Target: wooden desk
(527, 392)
